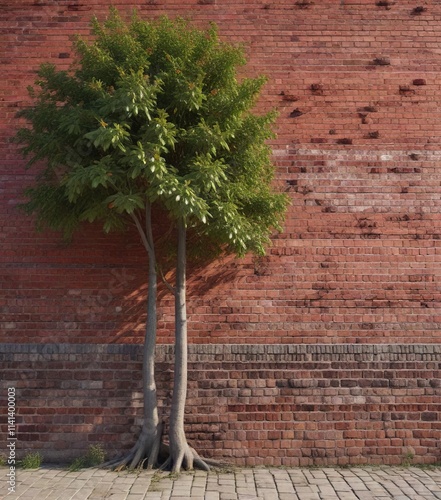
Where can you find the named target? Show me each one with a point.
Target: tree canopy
(153, 112)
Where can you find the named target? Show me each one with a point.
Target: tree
(152, 114)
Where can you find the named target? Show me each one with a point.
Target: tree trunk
(146, 449)
(150, 434)
(181, 454)
(178, 442)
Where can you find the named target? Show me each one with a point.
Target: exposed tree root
(144, 454)
(148, 453)
(188, 459)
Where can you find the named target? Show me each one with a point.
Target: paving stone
(269, 495)
(212, 495)
(228, 496)
(245, 491)
(327, 491)
(287, 496)
(140, 488)
(80, 495)
(364, 495)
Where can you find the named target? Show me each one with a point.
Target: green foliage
(153, 112)
(94, 456)
(407, 459)
(31, 460)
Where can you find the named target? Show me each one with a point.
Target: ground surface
(367, 483)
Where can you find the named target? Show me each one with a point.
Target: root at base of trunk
(145, 453)
(148, 453)
(186, 459)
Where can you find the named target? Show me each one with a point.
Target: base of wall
(293, 405)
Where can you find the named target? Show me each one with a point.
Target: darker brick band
(237, 352)
(233, 350)
(253, 404)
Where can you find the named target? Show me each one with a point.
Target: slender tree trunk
(181, 455)
(146, 449)
(151, 427)
(178, 443)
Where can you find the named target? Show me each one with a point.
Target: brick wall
(357, 86)
(252, 405)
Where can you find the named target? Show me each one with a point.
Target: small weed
(2, 460)
(408, 459)
(95, 456)
(157, 476)
(433, 466)
(224, 469)
(77, 464)
(31, 460)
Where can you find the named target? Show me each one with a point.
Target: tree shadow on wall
(207, 273)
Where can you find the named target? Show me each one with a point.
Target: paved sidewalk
(363, 483)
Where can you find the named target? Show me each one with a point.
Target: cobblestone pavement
(364, 483)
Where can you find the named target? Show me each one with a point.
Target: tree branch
(167, 234)
(144, 239)
(170, 288)
(148, 226)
